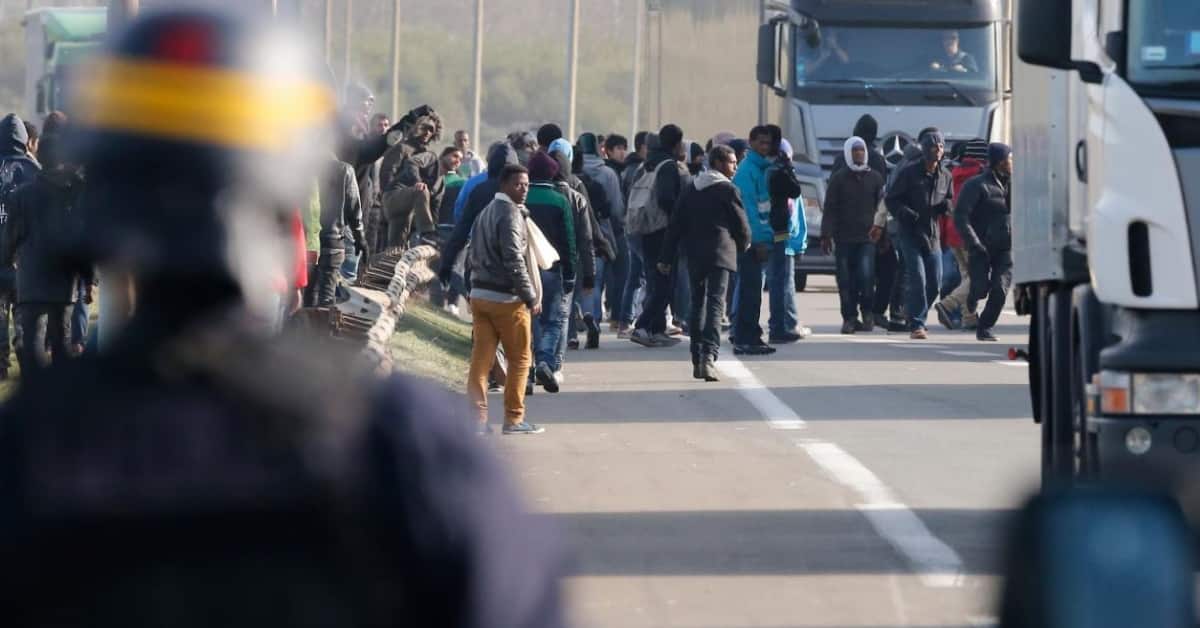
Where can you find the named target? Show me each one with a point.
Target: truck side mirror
(768, 54)
(1044, 33)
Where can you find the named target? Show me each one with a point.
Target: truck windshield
(882, 57)
(1164, 42)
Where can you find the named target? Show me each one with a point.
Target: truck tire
(801, 281)
(1059, 423)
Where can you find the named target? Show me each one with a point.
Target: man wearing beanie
(551, 212)
(922, 191)
(984, 218)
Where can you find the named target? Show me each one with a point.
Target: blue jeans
(746, 328)
(633, 279)
(781, 282)
(951, 276)
(350, 266)
(79, 317)
(549, 326)
(856, 279)
(583, 304)
(924, 273)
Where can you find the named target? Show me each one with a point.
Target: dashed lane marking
(936, 563)
(1012, 362)
(970, 354)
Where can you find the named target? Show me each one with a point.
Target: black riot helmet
(200, 132)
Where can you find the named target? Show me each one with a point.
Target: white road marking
(919, 345)
(1012, 362)
(970, 354)
(936, 563)
(776, 413)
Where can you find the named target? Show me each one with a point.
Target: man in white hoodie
(851, 202)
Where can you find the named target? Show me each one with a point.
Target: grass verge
(431, 343)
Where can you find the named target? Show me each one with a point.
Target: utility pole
(477, 81)
(349, 29)
(572, 67)
(396, 58)
(329, 34)
(638, 52)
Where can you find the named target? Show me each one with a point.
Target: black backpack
(597, 196)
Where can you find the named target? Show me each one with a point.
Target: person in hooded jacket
(650, 329)
(412, 183)
(16, 169)
(600, 179)
(751, 181)
(790, 238)
(984, 218)
(633, 161)
(851, 201)
(635, 285)
(477, 192)
(43, 225)
(553, 215)
(952, 310)
(710, 223)
(341, 213)
(867, 130)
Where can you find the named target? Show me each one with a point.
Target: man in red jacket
(952, 310)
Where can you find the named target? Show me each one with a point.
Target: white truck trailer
(1106, 213)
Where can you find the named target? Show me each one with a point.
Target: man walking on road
(710, 224)
(651, 202)
(505, 293)
(751, 181)
(850, 205)
(551, 212)
(922, 191)
(984, 218)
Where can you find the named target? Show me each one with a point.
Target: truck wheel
(1062, 412)
(1084, 456)
(801, 281)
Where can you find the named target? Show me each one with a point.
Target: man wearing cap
(984, 218)
(922, 191)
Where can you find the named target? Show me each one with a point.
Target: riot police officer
(199, 473)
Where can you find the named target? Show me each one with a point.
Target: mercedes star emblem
(894, 145)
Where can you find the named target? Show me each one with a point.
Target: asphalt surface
(861, 480)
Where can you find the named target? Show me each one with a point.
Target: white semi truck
(831, 61)
(1106, 221)
(56, 42)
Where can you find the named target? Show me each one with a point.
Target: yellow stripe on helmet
(201, 104)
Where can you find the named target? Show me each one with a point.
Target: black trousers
(887, 272)
(991, 277)
(322, 286)
(709, 287)
(658, 286)
(43, 327)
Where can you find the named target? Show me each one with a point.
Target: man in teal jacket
(751, 182)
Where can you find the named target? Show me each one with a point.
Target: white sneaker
(452, 309)
(559, 377)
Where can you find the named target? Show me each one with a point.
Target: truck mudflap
(1146, 449)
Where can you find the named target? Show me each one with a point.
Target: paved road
(844, 481)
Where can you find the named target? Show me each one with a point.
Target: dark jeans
(329, 267)
(887, 267)
(681, 302)
(924, 270)
(707, 309)
(781, 282)
(44, 327)
(746, 327)
(617, 277)
(634, 275)
(658, 286)
(855, 278)
(991, 277)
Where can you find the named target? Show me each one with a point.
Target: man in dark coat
(867, 129)
(16, 169)
(922, 191)
(984, 218)
(43, 224)
(411, 180)
(710, 224)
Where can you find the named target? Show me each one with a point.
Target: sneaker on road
(944, 317)
(919, 334)
(642, 337)
(664, 340)
(786, 338)
(985, 335)
(545, 377)
(523, 428)
(848, 328)
(624, 332)
(674, 330)
(753, 350)
(804, 331)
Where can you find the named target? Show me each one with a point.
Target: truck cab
(56, 41)
(910, 64)
(1106, 213)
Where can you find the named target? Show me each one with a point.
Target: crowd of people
(673, 239)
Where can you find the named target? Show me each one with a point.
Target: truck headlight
(1149, 393)
(1166, 393)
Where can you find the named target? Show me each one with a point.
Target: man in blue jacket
(752, 182)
